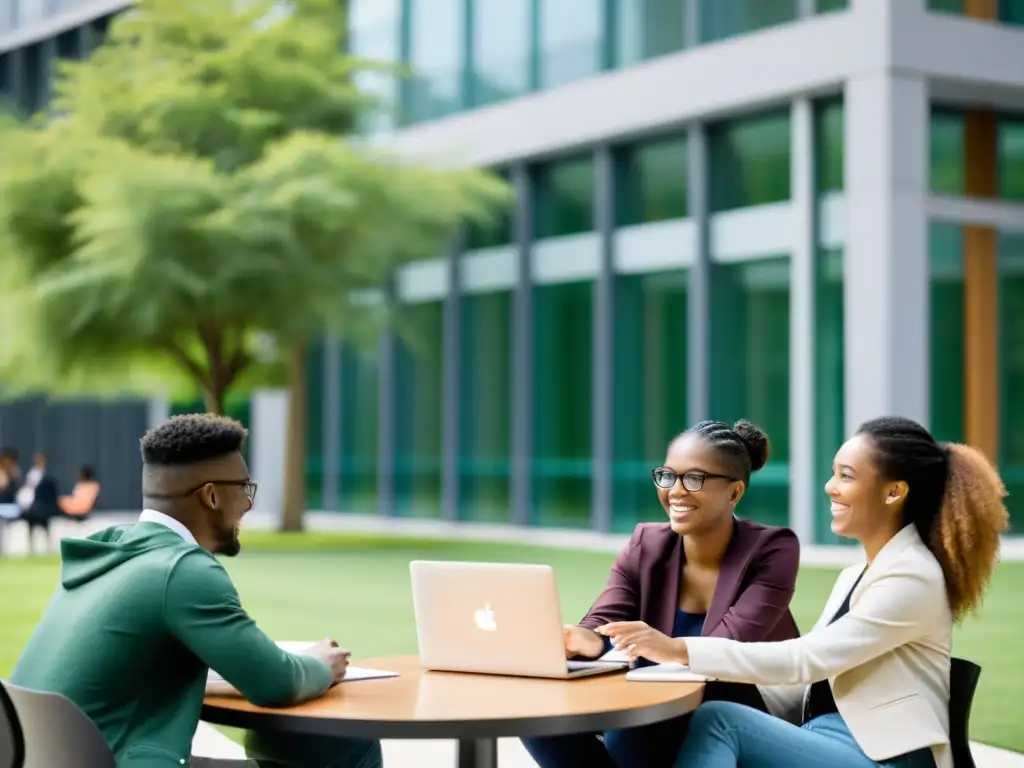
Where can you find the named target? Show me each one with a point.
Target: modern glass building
(802, 212)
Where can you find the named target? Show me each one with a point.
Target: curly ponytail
(955, 501)
(965, 537)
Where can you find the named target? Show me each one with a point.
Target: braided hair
(744, 446)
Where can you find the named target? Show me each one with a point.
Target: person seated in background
(27, 491)
(704, 573)
(870, 681)
(38, 499)
(10, 481)
(80, 502)
(144, 610)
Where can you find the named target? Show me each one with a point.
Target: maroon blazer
(751, 601)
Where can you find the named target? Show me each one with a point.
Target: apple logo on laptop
(484, 618)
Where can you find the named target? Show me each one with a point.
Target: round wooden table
(473, 709)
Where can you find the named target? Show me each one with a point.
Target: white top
(152, 516)
(887, 660)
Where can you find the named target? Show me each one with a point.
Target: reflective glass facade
(591, 304)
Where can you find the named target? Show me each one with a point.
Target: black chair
(55, 732)
(12, 747)
(963, 682)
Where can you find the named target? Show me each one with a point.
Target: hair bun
(756, 441)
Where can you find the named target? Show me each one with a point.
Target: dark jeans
(648, 746)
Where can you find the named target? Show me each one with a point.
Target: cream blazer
(887, 660)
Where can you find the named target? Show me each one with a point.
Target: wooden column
(982, 9)
(981, 289)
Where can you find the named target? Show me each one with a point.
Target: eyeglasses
(692, 481)
(247, 485)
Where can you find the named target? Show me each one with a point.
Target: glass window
(647, 28)
(749, 161)
(947, 151)
(946, 249)
(1011, 11)
(562, 451)
(501, 50)
(98, 31)
(650, 181)
(418, 404)
(6, 74)
(720, 19)
(563, 197)
(436, 57)
(1011, 342)
(375, 34)
(1011, 158)
(484, 407)
(570, 40)
(829, 379)
(829, 372)
(750, 370)
(827, 6)
(650, 387)
(495, 233)
(315, 427)
(829, 134)
(359, 430)
(68, 45)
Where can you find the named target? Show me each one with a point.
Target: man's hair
(191, 438)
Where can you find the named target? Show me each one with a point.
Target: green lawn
(356, 589)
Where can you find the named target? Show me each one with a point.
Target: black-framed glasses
(692, 481)
(247, 485)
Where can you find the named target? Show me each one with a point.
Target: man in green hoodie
(144, 610)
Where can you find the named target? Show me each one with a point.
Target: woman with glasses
(704, 572)
(868, 686)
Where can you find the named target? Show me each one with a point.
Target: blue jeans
(648, 746)
(727, 735)
(298, 750)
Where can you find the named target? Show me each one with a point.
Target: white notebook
(666, 673)
(218, 686)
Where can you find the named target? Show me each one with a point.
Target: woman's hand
(580, 641)
(637, 639)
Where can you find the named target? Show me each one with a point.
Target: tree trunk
(295, 442)
(213, 399)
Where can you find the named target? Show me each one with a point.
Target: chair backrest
(12, 748)
(963, 682)
(56, 733)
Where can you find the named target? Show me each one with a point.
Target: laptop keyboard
(574, 666)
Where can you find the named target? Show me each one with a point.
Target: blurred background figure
(38, 499)
(10, 480)
(82, 499)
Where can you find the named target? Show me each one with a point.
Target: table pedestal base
(478, 753)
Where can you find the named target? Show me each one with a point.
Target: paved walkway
(437, 754)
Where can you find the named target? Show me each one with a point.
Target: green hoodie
(139, 617)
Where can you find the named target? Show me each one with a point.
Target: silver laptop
(493, 618)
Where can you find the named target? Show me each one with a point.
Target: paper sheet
(665, 673)
(216, 685)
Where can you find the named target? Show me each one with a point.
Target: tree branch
(182, 358)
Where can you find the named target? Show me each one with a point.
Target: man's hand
(580, 641)
(336, 658)
(637, 639)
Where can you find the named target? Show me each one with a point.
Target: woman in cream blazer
(870, 681)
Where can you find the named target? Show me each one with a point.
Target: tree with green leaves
(192, 211)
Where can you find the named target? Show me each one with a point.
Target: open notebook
(666, 673)
(218, 686)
